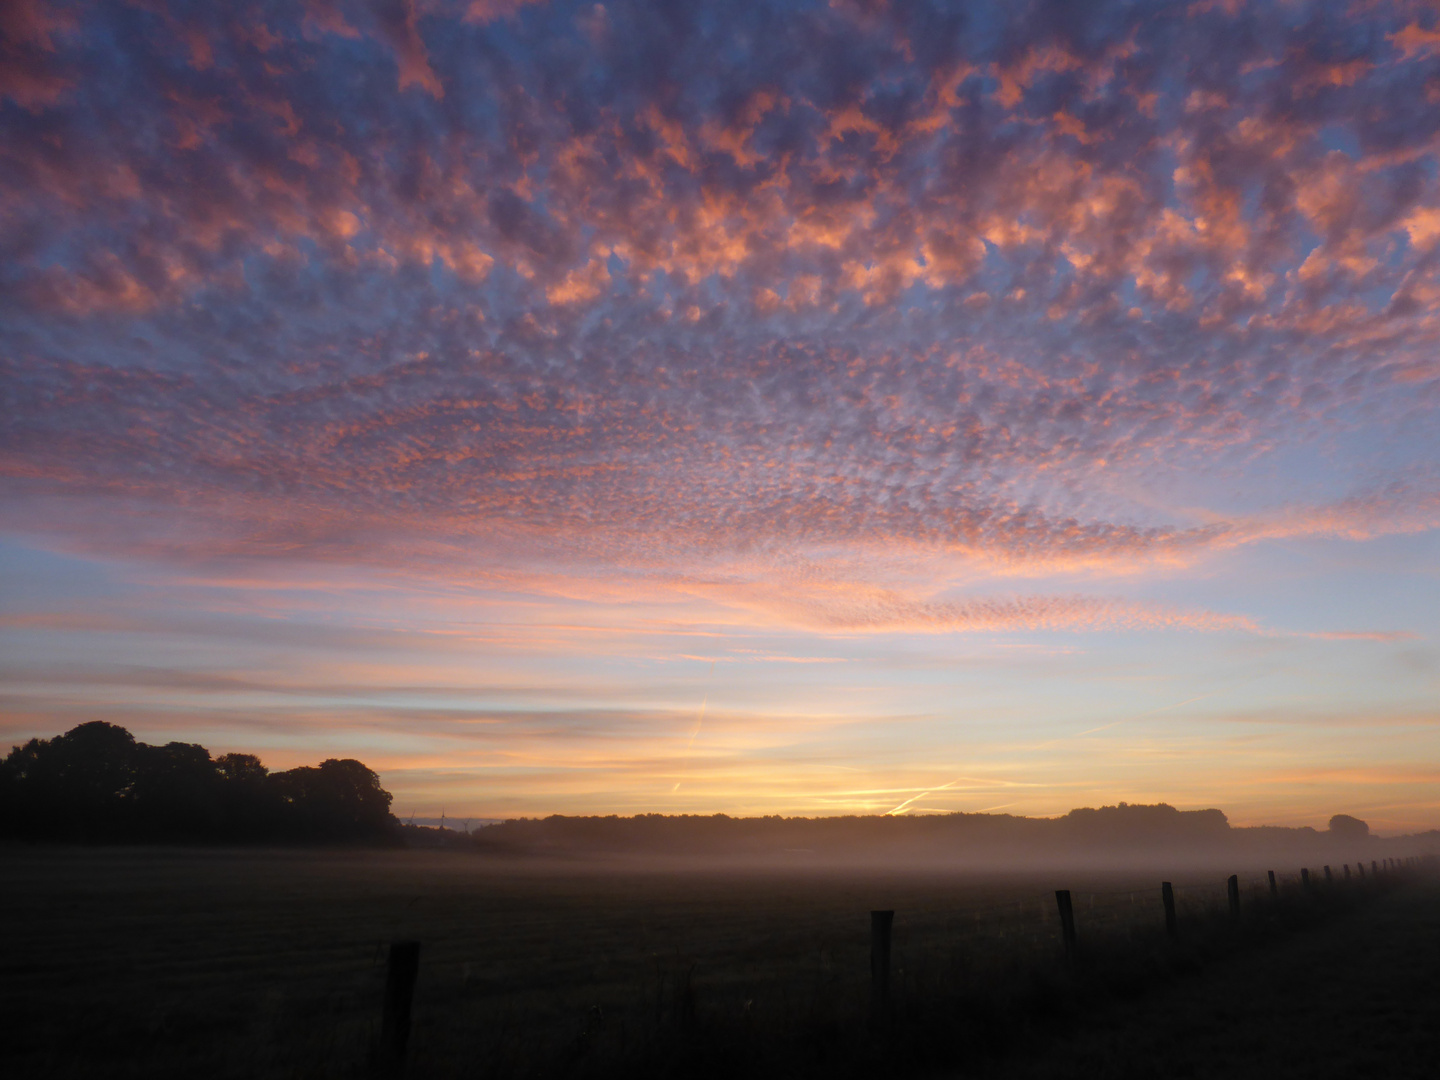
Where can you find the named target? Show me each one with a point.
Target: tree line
(1126, 827)
(1124, 832)
(97, 784)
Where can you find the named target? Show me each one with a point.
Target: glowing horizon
(777, 408)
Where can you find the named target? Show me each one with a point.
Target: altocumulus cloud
(721, 298)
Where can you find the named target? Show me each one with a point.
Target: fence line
(1196, 900)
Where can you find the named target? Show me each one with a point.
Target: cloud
(28, 40)
(397, 23)
(535, 296)
(859, 606)
(1397, 508)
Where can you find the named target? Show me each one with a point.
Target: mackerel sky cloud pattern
(806, 319)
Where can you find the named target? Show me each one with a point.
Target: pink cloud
(863, 609)
(28, 74)
(397, 20)
(1415, 42)
(655, 329)
(484, 11)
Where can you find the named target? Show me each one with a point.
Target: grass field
(1355, 996)
(271, 964)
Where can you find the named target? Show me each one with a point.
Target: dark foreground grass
(1355, 994)
(255, 964)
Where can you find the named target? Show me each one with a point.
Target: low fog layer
(1111, 837)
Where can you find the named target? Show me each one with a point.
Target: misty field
(224, 963)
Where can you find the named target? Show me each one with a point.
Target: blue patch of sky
(1340, 137)
(37, 578)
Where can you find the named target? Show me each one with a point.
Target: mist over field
(1115, 838)
(245, 963)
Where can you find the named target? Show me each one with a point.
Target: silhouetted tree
(75, 786)
(96, 783)
(175, 794)
(250, 809)
(341, 799)
(241, 769)
(1345, 827)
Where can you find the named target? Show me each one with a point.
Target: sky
(755, 407)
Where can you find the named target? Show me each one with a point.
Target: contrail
(699, 722)
(1141, 716)
(916, 798)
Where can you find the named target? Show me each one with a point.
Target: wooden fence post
(400, 974)
(1305, 877)
(1274, 888)
(1328, 878)
(1347, 871)
(1360, 869)
(1374, 868)
(685, 1001)
(880, 924)
(1167, 897)
(1067, 921)
(1232, 889)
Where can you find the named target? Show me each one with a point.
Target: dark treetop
(95, 783)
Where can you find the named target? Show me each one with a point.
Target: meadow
(244, 963)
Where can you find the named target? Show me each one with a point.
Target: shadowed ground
(155, 963)
(1359, 996)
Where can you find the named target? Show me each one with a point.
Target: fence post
(1232, 889)
(685, 1001)
(403, 966)
(880, 924)
(1374, 868)
(1328, 878)
(1274, 888)
(1347, 871)
(1167, 897)
(1360, 869)
(1067, 921)
(1305, 877)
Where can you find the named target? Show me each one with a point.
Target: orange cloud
(1415, 42)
